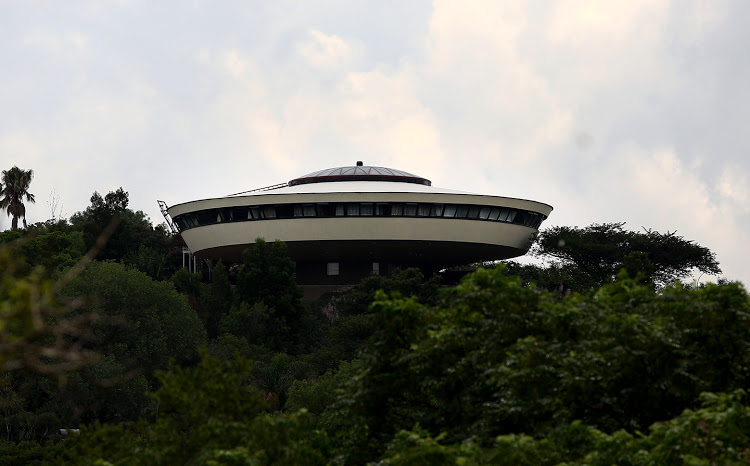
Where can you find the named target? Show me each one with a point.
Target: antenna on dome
(359, 163)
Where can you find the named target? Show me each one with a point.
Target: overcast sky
(633, 111)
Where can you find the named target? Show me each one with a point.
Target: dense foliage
(134, 242)
(396, 370)
(495, 373)
(142, 321)
(623, 358)
(268, 296)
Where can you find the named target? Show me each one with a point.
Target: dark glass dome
(359, 173)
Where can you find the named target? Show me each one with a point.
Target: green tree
(407, 282)
(318, 394)
(141, 321)
(217, 300)
(52, 247)
(267, 278)
(187, 282)
(134, 241)
(344, 321)
(342, 340)
(587, 258)
(253, 323)
(16, 183)
(207, 415)
(716, 433)
(497, 358)
(55, 251)
(275, 377)
(38, 332)
(29, 453)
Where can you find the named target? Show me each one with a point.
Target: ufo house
(343, 224)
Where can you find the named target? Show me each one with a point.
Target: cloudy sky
(610, 111)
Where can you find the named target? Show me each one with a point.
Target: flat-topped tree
(14, 187)
(599, 251)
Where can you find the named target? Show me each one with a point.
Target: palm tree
(15, 186)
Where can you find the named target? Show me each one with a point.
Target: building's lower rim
(338, 263)
(413, 252)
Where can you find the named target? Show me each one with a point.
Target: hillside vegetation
(601, 356)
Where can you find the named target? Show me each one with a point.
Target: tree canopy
(494, 373)
(637, 369)
(143, 321)
(587, 258)
(268, 293)
(135, 241)
(623, 359)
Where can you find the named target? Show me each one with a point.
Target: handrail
(267, 188)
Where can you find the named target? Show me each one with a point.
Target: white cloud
(325, 51)
(68, 43)
(592, 24)
(603, 110)
(655, 189)
(733, 186)
(234, 65)
(20, 147)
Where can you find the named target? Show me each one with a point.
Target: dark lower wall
(349, 272)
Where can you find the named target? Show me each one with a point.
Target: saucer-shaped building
(342, 224)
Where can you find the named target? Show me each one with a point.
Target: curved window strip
(359, 209)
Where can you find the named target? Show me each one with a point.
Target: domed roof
(359, 173)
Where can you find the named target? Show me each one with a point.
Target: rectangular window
(255, 212)
(298, 211)
(436, 210)
(207, 217)
(495, 212)
(239, 214)
(332, 268)
(269, 211)
(424, 210)
(450, 211)
(410, 210)
(284, 211)
(484, 213)
(382, 210)
(397, 210)
(462, 211)
(339, 210)
(473, 212)
(512, 215)
(324, 210)
(352, 209)
(308, 210)
(366, 209)
(376, 268)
